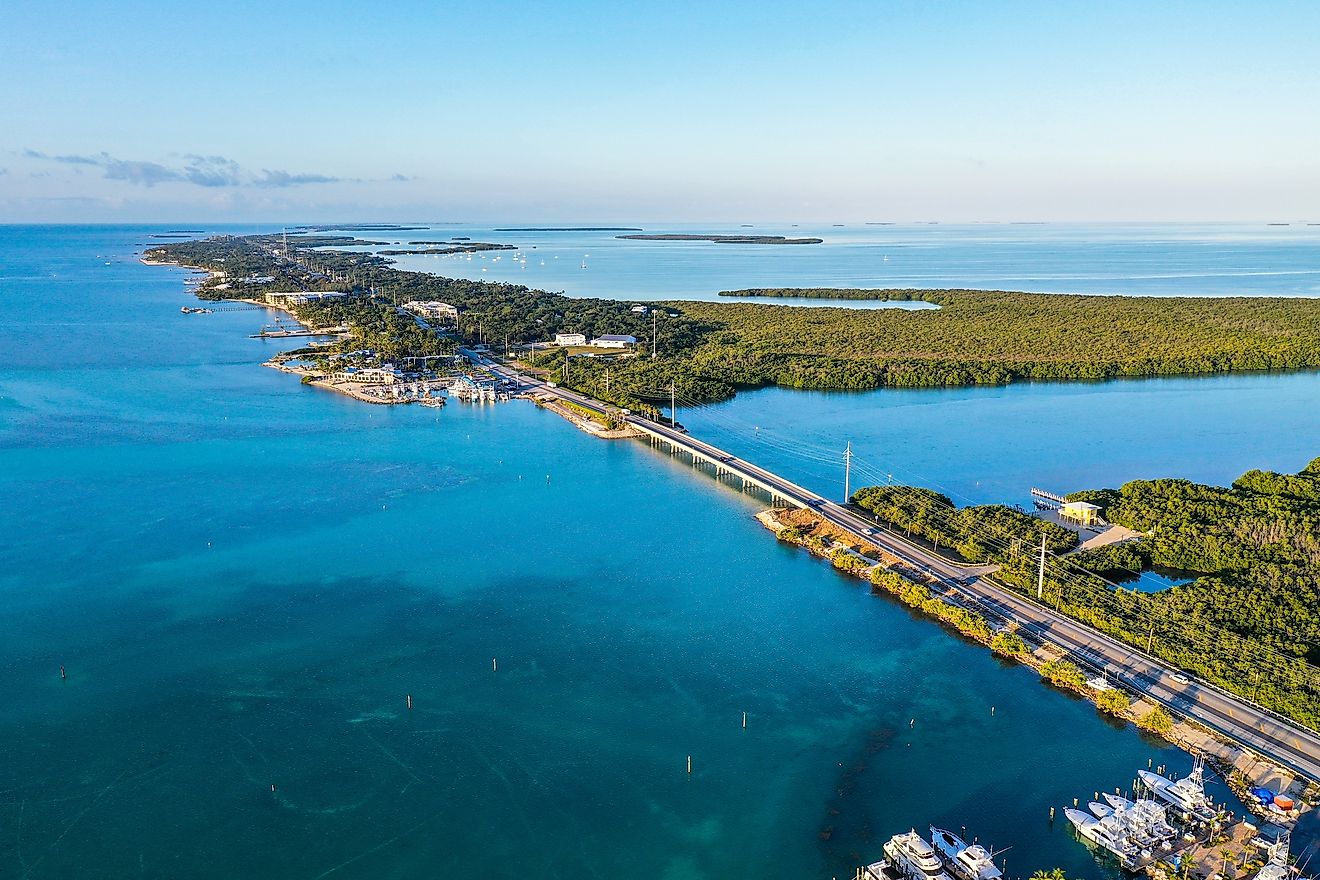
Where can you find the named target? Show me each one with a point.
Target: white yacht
(1106, 833)
(1187, 794)
(973, 862)
(1118, 802)
(1157, 816)
(914, 857)
(1100, 811)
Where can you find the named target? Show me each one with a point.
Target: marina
(699, 441)
(946, 856)
(1173, 828)
(281, 649)
(1138, 835)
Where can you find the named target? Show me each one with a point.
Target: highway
(1280, 740)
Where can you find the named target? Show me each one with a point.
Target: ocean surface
(244, 579)
(1158, 260)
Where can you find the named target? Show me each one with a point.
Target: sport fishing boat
(1187, 794)
(1118, 802)
(1105, 833)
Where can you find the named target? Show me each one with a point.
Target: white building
(366, 376)
(302, 297)
(610, 341)
(432, 309)
(570, 339)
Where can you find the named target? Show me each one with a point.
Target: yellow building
(1081, 512)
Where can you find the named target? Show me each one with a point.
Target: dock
(278, 331)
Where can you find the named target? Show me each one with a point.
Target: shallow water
(992, 445)
(244, 578)
(1150, 260)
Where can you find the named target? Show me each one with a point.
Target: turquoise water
(992, 445)
(1159, 260)
(244, 578)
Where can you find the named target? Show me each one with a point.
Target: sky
(694, 112)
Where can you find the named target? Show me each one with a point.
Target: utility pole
(1040, 578)
(673, 406)
(1150, 639)
(847, 472)
(654, 315)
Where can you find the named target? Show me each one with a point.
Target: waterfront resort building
(609, 341)
(1080, 512)
(570, 339)
(366, 376)
(435, 311)
(301, 297)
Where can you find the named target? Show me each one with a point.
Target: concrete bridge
(1277, 738)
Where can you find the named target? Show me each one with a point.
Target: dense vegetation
(1250, 622)
(993, 337)
(978, 534)
(710, 350)
(886, 294)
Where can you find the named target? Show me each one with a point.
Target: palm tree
(1055, 874)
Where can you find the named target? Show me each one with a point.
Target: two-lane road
(1287, 743)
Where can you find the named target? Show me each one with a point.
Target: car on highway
(1179, 677)
(816, 503)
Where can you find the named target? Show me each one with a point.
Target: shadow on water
(848, 837)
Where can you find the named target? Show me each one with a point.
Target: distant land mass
(570, 229)
(448, 248)
(723, 239)
(443, 241)
(363, 227)
(865, 293)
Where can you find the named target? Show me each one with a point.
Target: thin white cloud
(211, 172)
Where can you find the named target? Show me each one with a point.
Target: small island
(360, 227)
(449, 248)
(570, 229)
(722, 239)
